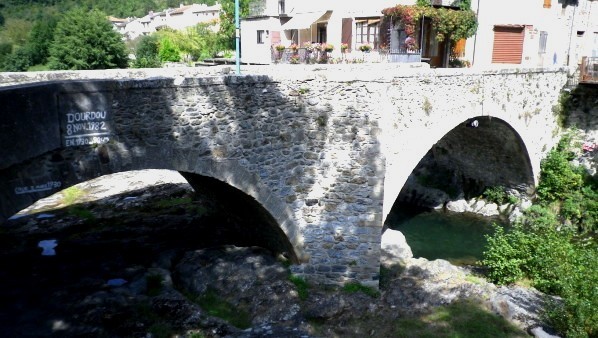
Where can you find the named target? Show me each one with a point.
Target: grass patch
(460, 319)
(215, 306)
(72, 195)
(354, 287)
(302, 286)
(38, 68)
(81, 212)
(475, 279)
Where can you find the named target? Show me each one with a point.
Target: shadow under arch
(478, 153)
(201, 172)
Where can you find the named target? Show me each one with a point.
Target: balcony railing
(302, 55)
(588, 72)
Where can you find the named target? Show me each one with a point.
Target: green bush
(496, 195)
(168, 51)
(554, 245)
(146, 53)
(18, 61)
(504, 257)
(558, 177)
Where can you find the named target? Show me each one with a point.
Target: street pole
(237, 38)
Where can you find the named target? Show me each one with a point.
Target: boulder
(394, 248)
(458, 206)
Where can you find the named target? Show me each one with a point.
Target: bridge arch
(57, 166)
(476, 153)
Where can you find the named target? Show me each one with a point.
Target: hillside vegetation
(33, 35)
(33, 10)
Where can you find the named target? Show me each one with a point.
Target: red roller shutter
(508, 44)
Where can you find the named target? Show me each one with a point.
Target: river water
(431, 234)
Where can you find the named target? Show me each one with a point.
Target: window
(543, 38)
(366, 31)
(261, 36)
(281, 9)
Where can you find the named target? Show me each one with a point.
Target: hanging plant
(449, 24)
(407, 16)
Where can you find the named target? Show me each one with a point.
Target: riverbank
(139, 255)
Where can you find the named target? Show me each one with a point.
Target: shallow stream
(431, 234)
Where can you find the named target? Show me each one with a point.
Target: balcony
(303, 55)
(588, 72)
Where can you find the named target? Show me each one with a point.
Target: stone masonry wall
(324, 149)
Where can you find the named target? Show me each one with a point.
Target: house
(533, 33)
(118, 24)
(273, 22)
(539, 33)
(190, 15)
(176, 18)
(141, 26)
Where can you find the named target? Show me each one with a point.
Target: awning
(369, 21)
(303, 20)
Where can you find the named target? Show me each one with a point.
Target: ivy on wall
(449, 24)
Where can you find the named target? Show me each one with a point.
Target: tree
(86, 40)
(1, 20)
(169, 51)
(227, 21)
(18, 61)
(200, 42)
(16, 31)
(40, 38)
(146, 53)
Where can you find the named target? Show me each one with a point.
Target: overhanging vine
(449, 24)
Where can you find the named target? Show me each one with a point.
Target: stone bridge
(320, 153)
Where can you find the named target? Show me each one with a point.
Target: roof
(180, 10)
(117, 20)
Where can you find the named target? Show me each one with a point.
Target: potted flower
(294, 59)
(309, 47)
(344, 47)
(279, 50)
(366, 48)
(294, 47)
(328, 47)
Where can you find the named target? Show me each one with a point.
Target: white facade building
(178, 18)
(535, 33)
(273, 22)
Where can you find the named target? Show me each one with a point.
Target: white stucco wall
(251, 51)
(556, 20)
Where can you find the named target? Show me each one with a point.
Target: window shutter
(347, 31)
(508, 44)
